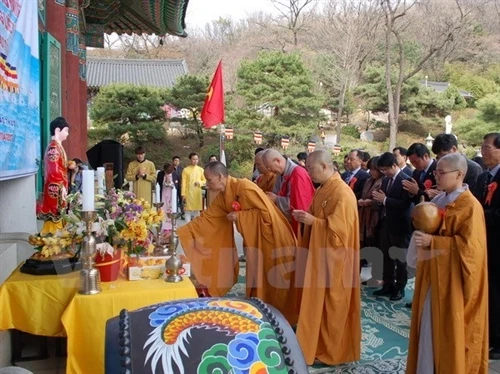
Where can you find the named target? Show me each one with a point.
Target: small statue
(55, 188)
(448, 124)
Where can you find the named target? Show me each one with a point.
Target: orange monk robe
(455, 271)
(208, 242)
(329, 327)
(266, 182)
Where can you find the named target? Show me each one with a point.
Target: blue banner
(19, 89)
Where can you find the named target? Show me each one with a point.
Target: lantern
(429, 140)
(257, 137)
(285, 142)
(229, 133)
(337, 149)
(311, 146)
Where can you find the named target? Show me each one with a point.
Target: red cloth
(213, 110)
(56, 177)
(301, 192)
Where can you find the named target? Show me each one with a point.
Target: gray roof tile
(157, 73)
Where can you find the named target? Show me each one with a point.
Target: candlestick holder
(173, 265)
(90, 281)
(160, 248)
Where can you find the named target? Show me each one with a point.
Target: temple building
(43, 75)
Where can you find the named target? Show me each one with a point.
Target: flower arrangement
(123, 221)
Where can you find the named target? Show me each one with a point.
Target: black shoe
(384, 291)
(495, 354)
(409, 305)
(397, 295)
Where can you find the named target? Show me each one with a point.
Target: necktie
(348, 176)
(422, 176)
(389, 185)
(487, 181)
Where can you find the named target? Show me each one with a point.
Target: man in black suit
(177, 179)
(447, 143)
(394, 227)
(422, 182)
(487, 191)
(401, 158)
(356, 176)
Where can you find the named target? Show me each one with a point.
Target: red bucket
(109, 266)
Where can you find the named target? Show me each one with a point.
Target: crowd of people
(306, 226)
(307, 229)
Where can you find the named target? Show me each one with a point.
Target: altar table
(36, 303)
(85, 317)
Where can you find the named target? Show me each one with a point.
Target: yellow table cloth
(36, 303)
(86, 316)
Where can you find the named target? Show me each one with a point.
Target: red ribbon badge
(492, 187)
(236, 206)
(427, 184)
(352, 182)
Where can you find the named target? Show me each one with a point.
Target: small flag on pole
(311, 146)
(257, 137)
(212, 113)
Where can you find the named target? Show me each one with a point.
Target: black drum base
(64, 266)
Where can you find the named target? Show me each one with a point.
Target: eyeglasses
(440, 172)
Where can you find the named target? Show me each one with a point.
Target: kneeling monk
(208, 242)
(329, 326)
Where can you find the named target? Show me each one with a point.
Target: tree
(293, 16)
(488, 120)
(277, 97)
(345, 37)
(434, 25)
(133, 112)
(189, 93)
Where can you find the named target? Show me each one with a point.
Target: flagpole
(221, 141)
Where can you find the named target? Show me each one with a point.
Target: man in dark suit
(177, 179)
(356, 176)
(401, 158)
(422, 182)
(394, 227)
(447, 143)
(487, 191)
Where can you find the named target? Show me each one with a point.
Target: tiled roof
(442, 86)
(157, 73)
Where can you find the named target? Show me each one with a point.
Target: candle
(158, 197)
(88, 190)
(173, 200)
(100, 180)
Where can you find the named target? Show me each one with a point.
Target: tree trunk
(338, 128)
(393, 125)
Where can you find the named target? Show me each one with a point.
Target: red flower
(236, 206)
(492, 187)
(352, 182)
(427, 184)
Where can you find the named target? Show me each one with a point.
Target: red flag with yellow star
(213, 110)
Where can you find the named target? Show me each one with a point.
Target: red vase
(109, 266)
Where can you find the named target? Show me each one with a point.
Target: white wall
(17, 221)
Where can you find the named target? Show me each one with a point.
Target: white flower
(105, 248)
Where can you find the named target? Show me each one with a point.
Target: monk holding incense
(329, 327)
(293, 188)
(449, 324)
(208, 242)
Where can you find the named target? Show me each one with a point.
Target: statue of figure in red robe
(55, 186)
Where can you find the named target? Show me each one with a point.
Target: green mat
(385, 327)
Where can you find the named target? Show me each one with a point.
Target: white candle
(100, 180)
(158, 197)
(173, 200)
(88, 190)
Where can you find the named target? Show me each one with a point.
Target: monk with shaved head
(449, 320)
(293, 188)
(266, 179)
(329, 327)
(270, 243)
